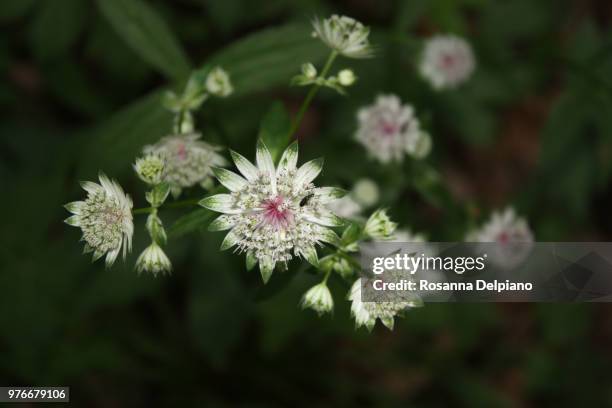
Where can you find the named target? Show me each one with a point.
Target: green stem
(311, 94)
(176, 204)
(326, 276)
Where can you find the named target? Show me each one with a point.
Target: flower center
(448, 61)
(276, 213)
(388, 128)
(181, 152)
(503, 237)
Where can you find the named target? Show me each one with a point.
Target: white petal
(223, 203)
(244, 166)
(229, 241)
(74, 220)
(327, 194)
(266, 267)
(222, 223)
(288, 160)
(91, 187)
(325, 219)
(231, 180)
(308, 172)
(265, 163)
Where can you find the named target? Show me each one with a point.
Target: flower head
(188, 160)
(105, 218)
(388, 130)
(346, 77)
(366, 313)
(447, 61)
(512, 235)
(154, 260)
(218, 82)
(150, 168)
(274, 213)
(379, 225)
(345, 35)
(319, 299)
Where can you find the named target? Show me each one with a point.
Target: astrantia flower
(188, 160)
(388, 130)
(447, 61)
(319, 299)
(218, 82)
(273, 213)
(150, 168)
(379, 225)
(393, 304)
(105, 218)
(154, 260)
(512, 235)
(345, 35)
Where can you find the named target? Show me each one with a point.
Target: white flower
(218, 82)
(105, 218)
(345, 207)
(387, 129)
(447, 61)
(150, 168)
(154, 260)
(345, 35)
(319, 299)
(512, 235)
(379, 225)
(366, 313)
(346, 77)
(273, 213)
(366, 192)
(309, 71)
(188, 160)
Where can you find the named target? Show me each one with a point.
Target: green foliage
(274, 129)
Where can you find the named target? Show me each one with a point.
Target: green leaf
(143, 29)
(194, 221)
(269, 57)
(274, 129)
(56, 27)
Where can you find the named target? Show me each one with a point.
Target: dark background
(80, 91)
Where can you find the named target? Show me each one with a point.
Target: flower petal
(328, 236)
(91, 187)
(231, 180)
(266, 267)
(75, 207)
(265, 163)
(74, 220)
(223, 203)
(310, 254)
(288, 160)
(229, 241)
(327, 194)
(251, 260)
(248, 170)
(325, 219)
(222, 223)
(308, 172)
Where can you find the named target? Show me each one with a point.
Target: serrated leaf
(145, 31)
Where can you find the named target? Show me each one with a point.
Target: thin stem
(326, 276)
(176, 204)
(311, 94)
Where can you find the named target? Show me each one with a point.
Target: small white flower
(345, 207)
(366, 313)
(105, 218)
(387, 129)
(218, 82)
(512, 235)
(188, 160)
(274, 213)
(319, 299)
(153, 260)
(447, 61)
(366, 192)
(379, 225)
(150, 168)
(346, 77)
(345, 35)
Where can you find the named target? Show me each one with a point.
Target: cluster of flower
(274, 213)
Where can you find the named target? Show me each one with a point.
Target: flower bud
(379, 225)
(319, 299)
(156, 229)
(150, 169)
(422, 146)
(346, 77)
(218, 82)
(309, 71)
(154, 260)
(158, 195)
(366, 192)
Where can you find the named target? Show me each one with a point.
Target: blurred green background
(79, 91)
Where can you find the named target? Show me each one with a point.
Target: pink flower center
(276, 214)
(447, 61)
(388, 128)
(181, 151)
(503, 237)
